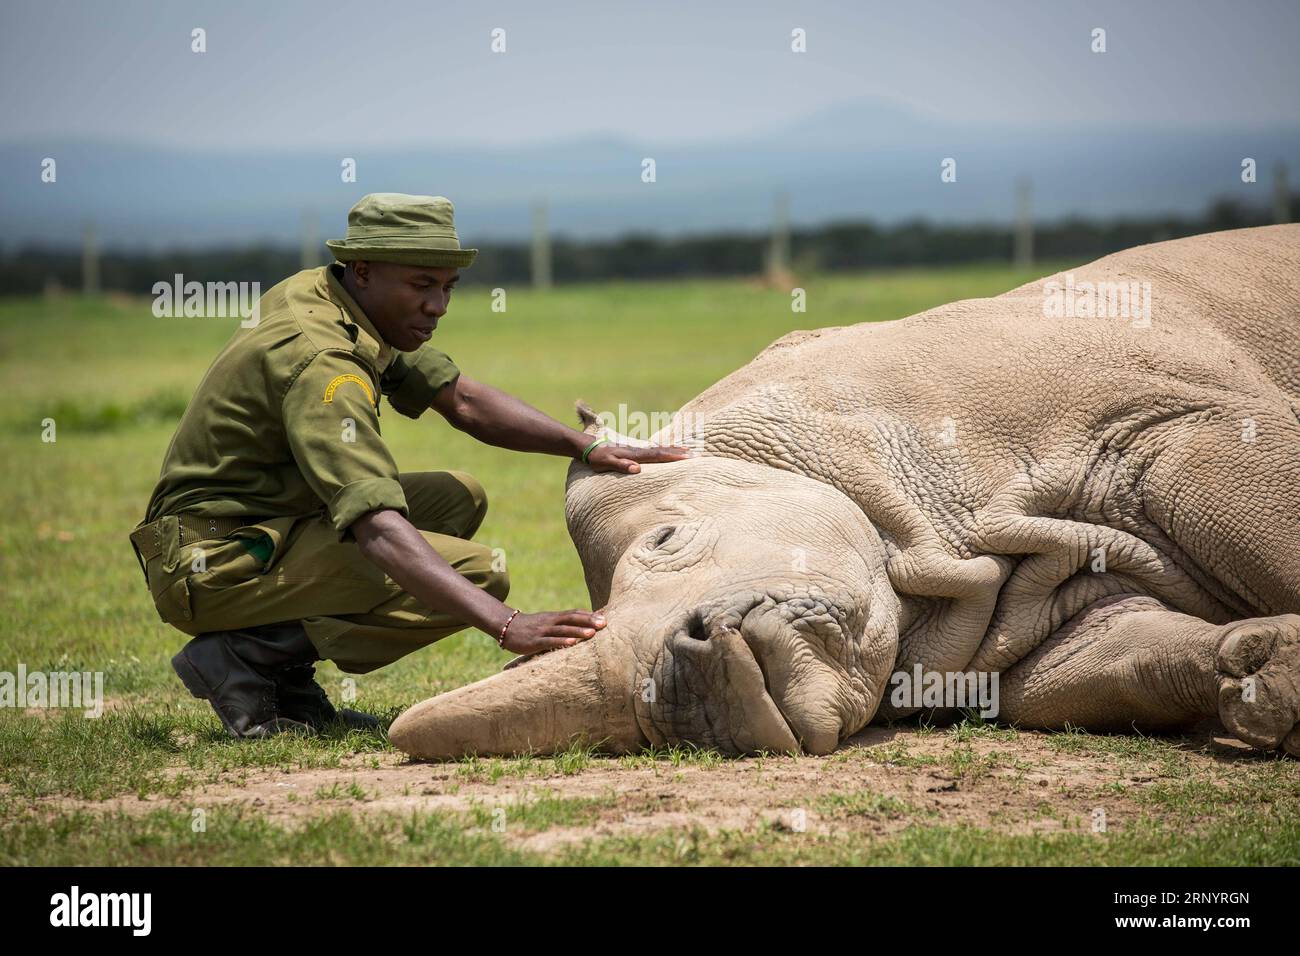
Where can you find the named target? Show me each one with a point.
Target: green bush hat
(410, 230)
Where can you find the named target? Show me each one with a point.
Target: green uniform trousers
(297, 569)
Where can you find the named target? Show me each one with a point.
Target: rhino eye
(661, 536)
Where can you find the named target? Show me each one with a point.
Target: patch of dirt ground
(879, 782)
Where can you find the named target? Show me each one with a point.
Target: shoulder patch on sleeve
(340, 379)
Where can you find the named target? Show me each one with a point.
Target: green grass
(1249, 836)
(539, 812)
(243, 837)
(858, 803)
(131, 750)
(677, 755)
(114, 379)
(896, 753)
(939, 845)
(476, 769)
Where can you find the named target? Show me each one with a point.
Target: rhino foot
(1259, 682)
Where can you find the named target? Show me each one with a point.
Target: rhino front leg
(1131, 662)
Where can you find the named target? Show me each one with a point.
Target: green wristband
(598, 441)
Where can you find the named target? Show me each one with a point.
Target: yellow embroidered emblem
(329, 389)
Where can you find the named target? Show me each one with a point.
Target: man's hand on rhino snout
(549, 630)
(629, 458)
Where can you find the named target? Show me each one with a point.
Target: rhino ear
(592, 425)
(588, 419)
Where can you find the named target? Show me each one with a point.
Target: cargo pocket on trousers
(265, 540)
(173, 602)
(239, 558)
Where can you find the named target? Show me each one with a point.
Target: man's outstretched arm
(498, 418)
(394, 545)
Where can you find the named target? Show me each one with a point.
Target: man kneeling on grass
(280, 531)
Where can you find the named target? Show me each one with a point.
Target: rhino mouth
(763, 674)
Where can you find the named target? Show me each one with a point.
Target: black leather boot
(303, 699)
(300, 697)
(235, 671)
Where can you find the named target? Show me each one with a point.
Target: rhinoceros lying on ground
(1104, 511)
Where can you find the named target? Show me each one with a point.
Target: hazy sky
(283, 74)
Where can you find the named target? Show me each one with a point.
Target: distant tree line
(842, 246)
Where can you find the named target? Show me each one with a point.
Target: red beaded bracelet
(501, 640)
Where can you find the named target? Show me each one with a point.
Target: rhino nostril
(695, 628)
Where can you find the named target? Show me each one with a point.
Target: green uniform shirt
(286, 420)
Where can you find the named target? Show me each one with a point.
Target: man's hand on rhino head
(550, 630)
(629, 458)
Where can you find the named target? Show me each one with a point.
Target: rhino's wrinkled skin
(1103, 511)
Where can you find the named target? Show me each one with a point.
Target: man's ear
(360, 271)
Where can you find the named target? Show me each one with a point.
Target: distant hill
(867, 161)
